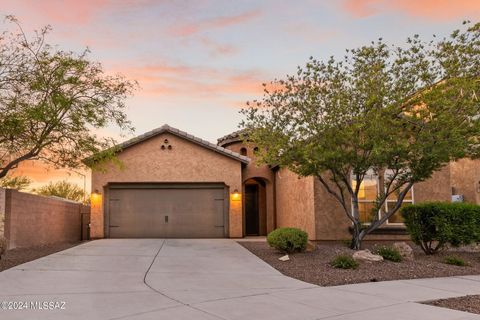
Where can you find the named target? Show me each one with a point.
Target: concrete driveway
(203, 279)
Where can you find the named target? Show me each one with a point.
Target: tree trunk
(357, 236)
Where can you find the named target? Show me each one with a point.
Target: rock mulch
(18, 256)
(314, 267)
(468, 303)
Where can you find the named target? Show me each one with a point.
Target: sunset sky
(198, 62)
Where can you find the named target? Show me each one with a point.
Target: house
(172, 184)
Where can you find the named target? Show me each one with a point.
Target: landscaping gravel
(314, 267)
(18, 256)
(467, 303)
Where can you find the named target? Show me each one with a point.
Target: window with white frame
(367, 195)
(391, 201)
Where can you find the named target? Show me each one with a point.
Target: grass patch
(389, 253)
(344, 262)
(455, 261)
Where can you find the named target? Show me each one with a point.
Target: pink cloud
(218, 49)
(439, 10)
(163, 79)
(189, 29)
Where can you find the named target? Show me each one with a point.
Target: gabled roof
(182, 134)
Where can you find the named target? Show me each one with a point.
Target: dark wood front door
(251, 210)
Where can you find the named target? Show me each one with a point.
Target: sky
(197, 62)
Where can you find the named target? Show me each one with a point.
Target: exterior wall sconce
(96, 197)
(236, 196)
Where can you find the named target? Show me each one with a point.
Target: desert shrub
(389, 253)
(434, 224)
(3, 246)
(455, 261)
(344, 262)
(288, 240)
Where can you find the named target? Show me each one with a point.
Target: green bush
(3, 246)
(344, 262)
(288, 240)
(389, 253)
(455, 261)
(432, 225)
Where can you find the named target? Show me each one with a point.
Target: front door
(251, 210)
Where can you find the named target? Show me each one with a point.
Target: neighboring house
(172, 184)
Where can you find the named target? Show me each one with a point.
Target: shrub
(344, 262)
(389, 253)
(432, 225)
(455, 261)
(288, 240)
(3, 246)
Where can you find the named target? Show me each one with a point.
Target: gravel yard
(468, 303)
(314, 267)
(18, 256)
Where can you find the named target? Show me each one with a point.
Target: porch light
(96, 197)
(236, 196)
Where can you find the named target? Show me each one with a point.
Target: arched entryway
(255, 207)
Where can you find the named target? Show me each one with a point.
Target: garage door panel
(174, 213)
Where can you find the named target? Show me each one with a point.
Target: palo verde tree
(52, 101)
(62, 189)
(401, 113)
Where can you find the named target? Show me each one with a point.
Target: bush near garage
(288, 240)
(433, 225)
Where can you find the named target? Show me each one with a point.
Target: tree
(18, 182)
(400, 113)
(62, 189)
(52, 101)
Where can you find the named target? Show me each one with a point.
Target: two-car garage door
(166, 211)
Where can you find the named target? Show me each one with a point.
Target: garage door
(166, 211)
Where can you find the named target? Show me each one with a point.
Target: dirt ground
(468, 303)
(314, 267)
(18, 256)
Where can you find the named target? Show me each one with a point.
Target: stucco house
(172, 184)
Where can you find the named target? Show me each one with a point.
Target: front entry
(251, 210)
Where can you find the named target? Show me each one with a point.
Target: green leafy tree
(399, 112)
(52, 102)
(18, 182)
(62, 189)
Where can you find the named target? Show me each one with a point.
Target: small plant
(455, 261)
(3, 246)
(288, 240)
(389, 253)
(344, 262)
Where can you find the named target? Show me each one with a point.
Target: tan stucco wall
(186, 162)
(437, 188)
(295, 201)
(465, 177)
(331, 222)
(255, 170)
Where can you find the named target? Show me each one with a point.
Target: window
(367, 196)
(392, 200)
(243, 151)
